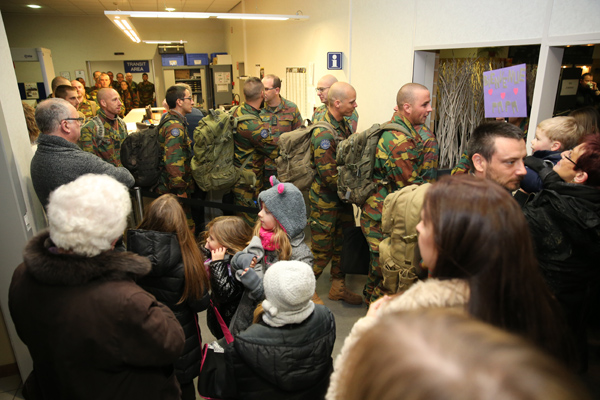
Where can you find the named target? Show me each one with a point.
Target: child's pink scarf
(266, 239)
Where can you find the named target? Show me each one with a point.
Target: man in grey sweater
(58, 159)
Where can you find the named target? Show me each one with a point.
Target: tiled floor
(10, 388)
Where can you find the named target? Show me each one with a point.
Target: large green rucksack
(355, 162)
(294, 162)
(399, 255)
(212, 164)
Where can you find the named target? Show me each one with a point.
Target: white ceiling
(96, 8)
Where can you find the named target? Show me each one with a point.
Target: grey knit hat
(289, 287)
(286, 203)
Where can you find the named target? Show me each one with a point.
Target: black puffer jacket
(564, 221)
(226, 292)
(166, 282)
(290, 362)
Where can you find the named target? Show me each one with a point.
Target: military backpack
(356, 160)
(212, 164)
(398, 252)
(141, 155)
(294, 163)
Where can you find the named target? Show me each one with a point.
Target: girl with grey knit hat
(278, 235)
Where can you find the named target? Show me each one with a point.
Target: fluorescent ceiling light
(122, 22)
(194, 15)
(169, 9)
(164, 41)
(33, 6)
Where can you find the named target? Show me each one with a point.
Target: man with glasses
(176, 147)
(322, 91)
(278, 115)
(58, 159)
(104, 134)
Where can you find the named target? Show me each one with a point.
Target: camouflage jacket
(321, 111)
(146, 93)
(431, 156)
(87, 108)
(323, 146)
(247, 139)
(176, 156)
(283, 118)
(133, 86)
(93, 95)
(130, 100)
(399, 162)
(463, 166)
(103, 137)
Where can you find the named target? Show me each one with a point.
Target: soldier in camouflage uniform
(104, 134)
(128, 97)
(278, 115)
(132, 84)
(104, 81)
(176, 148)
(146, 91)
(399, 161)
(329, 217)
(88, 109)
(246, 139)
(322, 91)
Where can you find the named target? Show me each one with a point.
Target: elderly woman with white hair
(91, 331)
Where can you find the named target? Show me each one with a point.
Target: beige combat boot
(317, 300)
(338, 291)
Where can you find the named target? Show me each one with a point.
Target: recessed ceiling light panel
(33, 6)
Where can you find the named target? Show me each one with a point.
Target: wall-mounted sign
(334, 60)
(136, 66)
(505, 92)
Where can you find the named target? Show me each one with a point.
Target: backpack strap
(99, 126)
(328, 126)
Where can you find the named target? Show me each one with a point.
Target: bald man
(404, 157)
(56, 82)
(328, 215)
(104, 134)
(86, 107)
(322, 91)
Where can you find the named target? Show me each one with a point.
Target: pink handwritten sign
(505, 92)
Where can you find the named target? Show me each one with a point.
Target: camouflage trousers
(245, 196)
(327, 234)
(374, 287)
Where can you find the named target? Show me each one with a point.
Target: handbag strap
(226, 333)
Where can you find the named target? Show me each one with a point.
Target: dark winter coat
(91, 331)
(290, 362)
(166, 282)
(226, 292)
(532, 183)
(564, 220)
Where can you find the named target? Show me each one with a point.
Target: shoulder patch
(325, 144)
(264, 133)
(175, 132)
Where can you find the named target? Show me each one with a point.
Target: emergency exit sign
(334, 60)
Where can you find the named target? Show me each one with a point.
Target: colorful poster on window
(505, 92)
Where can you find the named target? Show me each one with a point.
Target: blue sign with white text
(136, 66)
(334, 60)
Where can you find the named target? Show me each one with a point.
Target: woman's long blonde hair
(166, 215)
(232, 232)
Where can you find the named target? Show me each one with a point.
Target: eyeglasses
(569, 158)
(321, 89)
(80, 120)
(269, 88)
(187, 98)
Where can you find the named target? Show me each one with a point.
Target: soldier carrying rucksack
(403, 157)
(329, 216)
